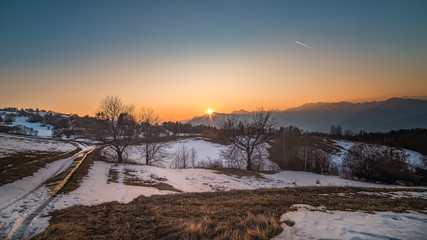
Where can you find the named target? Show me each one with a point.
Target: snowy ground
(22, 197)
(343, 147)
(10, 144)
(319, 223)
(415, 159)
(43, 130)
(96, 188)
(206, 153)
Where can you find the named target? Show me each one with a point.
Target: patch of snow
(318, 223)
(96, 190)
(10, 144)
(415, 159)
(12, 216)
(43, 130)
(302, 179)
(343, 147)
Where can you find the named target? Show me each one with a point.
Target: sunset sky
(182, 57)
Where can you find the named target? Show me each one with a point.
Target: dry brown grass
(131, 179)
(238, 173)
(113, 176)
(217, 215)
(23, 164)
(157, 178)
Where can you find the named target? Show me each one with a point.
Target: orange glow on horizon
(176, 90)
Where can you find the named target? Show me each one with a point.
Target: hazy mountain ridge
(394, 113)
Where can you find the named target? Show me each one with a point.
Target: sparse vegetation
(134, 181)
(379, 163)
(113, 176)
(184, 158)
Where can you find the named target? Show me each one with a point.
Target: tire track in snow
(19, 229)
(23, 196)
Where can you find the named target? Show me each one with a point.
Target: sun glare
(209, 111)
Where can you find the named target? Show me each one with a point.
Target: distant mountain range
(394, 113)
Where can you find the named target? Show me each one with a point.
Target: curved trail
(24, 195)
(19, 229)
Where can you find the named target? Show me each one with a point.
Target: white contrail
(304, 45)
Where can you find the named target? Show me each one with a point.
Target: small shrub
(378, 163)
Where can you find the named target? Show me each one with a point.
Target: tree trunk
(305, 159)
(284, 152)
(147, 154)
(119, 156)
(249, 161)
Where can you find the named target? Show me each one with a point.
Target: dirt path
(29, 205)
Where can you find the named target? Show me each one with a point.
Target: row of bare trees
(293, 149)
(381, 163)
(125, 125)
(248, 142)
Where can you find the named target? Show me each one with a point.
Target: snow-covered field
(206, 153)
(42, 130)
(10, 144)
(97, 188)
(319, 223)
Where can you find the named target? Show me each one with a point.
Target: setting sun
(209, 111)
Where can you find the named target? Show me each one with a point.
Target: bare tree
(285, 149)
(153, 147)
(249, 135)
(65, 126)
(336, 131)
(184, 158)
(234, 157)
(378, 163)
(122, 127)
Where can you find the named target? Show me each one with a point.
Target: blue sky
(44, 32)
